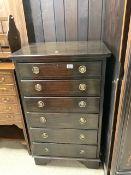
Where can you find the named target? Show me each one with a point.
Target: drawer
(8, 99)
(63, 120)
(7, 89)
(88, 87)
(9, 108)
(58, 70)
(64, 150)
(6, 78)
(64, 136)
(62, 104)
(8, 118)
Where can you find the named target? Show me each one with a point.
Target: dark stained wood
(59, 70)
(63, 104)
(89, 163)
(83, 11)
(83, 48)
(37, 17)
(95, 19)
(29, 21)
(121, 163)
(47, 11)
(59, 20)
(61, 87)
(64, 135)
(113, 25)
(65, 19)
(65, 120)
(67, 150)
(56, 63)
(117, 14)
(71, 19)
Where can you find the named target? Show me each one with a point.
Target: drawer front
(89, 87)
(7, 118)
(6, 78)
(63, 120)
(64, 150)
(9, 108)
(64, 136)
(7, 89)
(58, 70)
(8, 99)
(65, 104)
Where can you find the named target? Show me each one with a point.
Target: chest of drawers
(62, 91)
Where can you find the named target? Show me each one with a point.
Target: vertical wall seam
(54, 20)
(64, 18)
(88, 21)
(42, 20)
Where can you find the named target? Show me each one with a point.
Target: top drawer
(58, 70)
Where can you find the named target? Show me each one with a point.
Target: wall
(15, 8)
(65, 20)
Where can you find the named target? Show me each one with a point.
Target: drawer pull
(41, 104)
(82, 151)
(3, 89)
(38, 87)
(35, 70)
(44, 135)
(82, 69)
(82, 87)
(5, 100)
(82, 137)
(8, 108)
(46, 150)
(10, 116)
(82, 121)
(82, 104)
(2, 79)
(42, 119)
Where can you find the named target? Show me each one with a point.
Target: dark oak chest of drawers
(62, 91)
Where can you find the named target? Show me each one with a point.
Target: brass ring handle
(82, 87)
(46, 150)
(82, 104)
(35, 70)
(2, 79)
(42, 119)
(82, 137)
(5, 100)
(82, 120)
(40, 104)
(82, 69)
(82, 151)
(38, 87)
(44, 135)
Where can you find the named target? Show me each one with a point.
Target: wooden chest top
(56, 49)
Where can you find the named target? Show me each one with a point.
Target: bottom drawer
(64, 150)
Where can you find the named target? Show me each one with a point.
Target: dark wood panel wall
(67, 20)
(116, 24)
(113, 20)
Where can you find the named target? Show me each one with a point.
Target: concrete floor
(15, 160)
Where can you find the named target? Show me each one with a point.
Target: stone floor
(14, 160)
